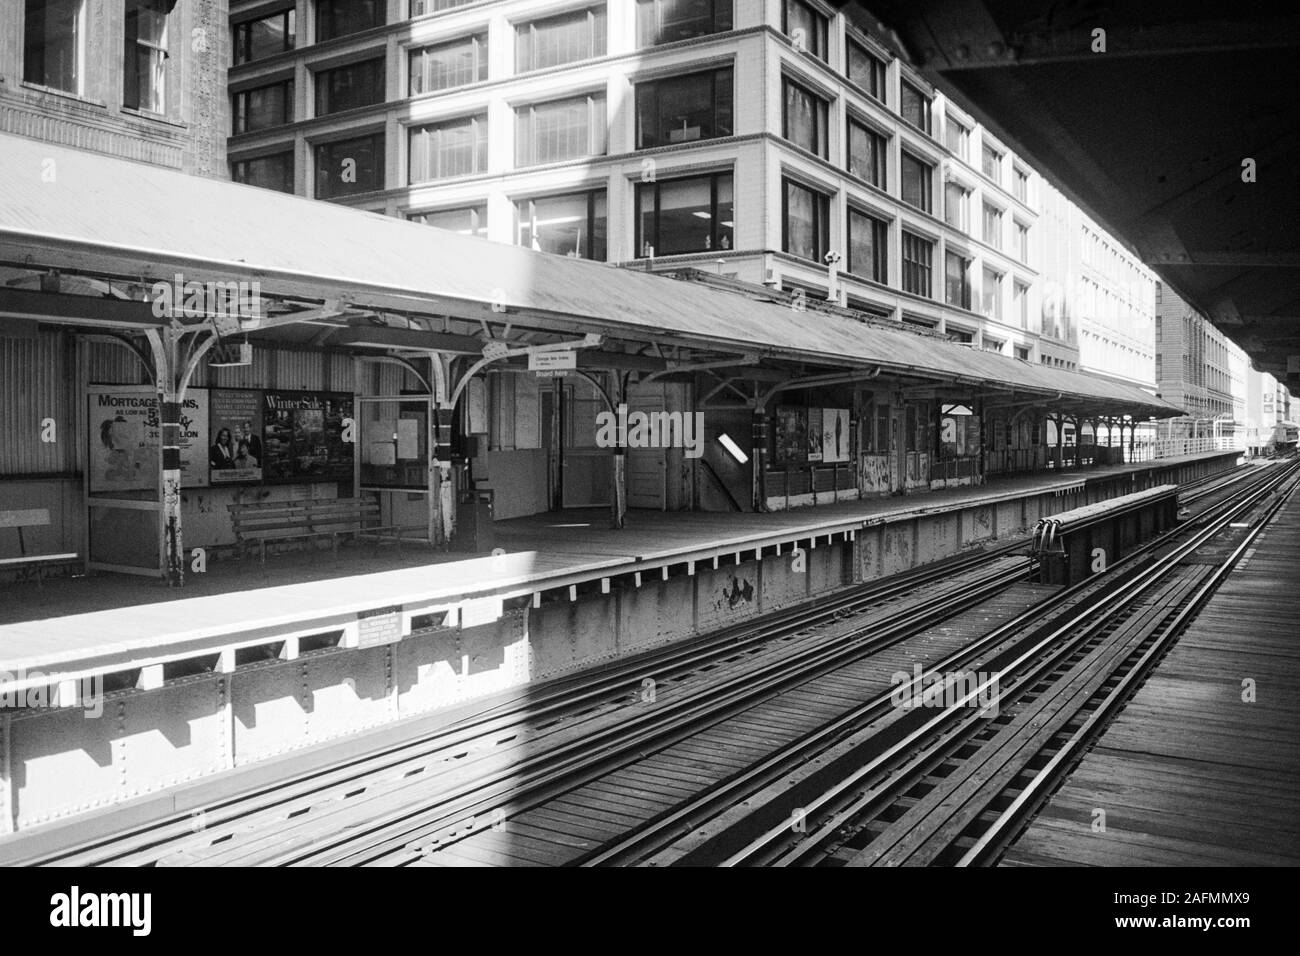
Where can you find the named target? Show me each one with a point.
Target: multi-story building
(1199, 368)
(769, 140)
(140, 79)
(1097, 293)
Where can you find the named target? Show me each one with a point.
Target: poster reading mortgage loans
(126, 438)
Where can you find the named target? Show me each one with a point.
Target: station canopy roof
(81, 213)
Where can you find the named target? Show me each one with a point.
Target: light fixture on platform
(732, 448)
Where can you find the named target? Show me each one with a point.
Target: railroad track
(653, 800)
(474, 753)
(533, 749)
(949, 785)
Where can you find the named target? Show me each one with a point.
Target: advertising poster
(302, 436)
(235, 425)
(814, 434)
(791, 423)
(125, 432)
(835, 434)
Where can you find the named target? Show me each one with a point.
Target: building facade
(1097, 293)
(767, 141)
(1199, 369)
(139, 79)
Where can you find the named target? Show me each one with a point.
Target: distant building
(1200, 369)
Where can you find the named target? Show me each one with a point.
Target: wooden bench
(271, 521)
(31, 518)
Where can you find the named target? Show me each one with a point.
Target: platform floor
(63, 619)
(1190, 774)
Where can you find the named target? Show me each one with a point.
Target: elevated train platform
(1199, 769)
(242, 673)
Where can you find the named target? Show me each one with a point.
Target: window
(1020, 303)
(144, 65)
(914, 106)
(868, 247)
(867, 154)
(263, 107)
(1022, 242)
(420, 7)
(349, 87)
(956, 199)
(992, 233)
(958, 335)
(867, 70)
(451, 148)
(804, 120)
(269, 172)
(806, 222)
(265, 36)
(684, 109)
(956, 136)
(555, 41)
(559, 130)
(992, 294)
(466, 221)
(451, 64)
(572, 225)
(956, 280)
(54, 44)
(339, 18)
(678, 216)
(664, 21)
(1022, 353)
(991, 163)
(916, 181)
(350, 166)
(918, 256)
(805, 27)
(1020, 186)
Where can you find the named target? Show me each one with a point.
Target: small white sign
(555, 361)
(479, 611)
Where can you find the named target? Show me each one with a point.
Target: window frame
(378, 142)
(591, 195)
(597, 37)
(721, 12)
(880, 177)
(596, 126)
(914, 266)
(877, 83)
(821, 28)
(318, 34)
(651, 88)
(879, 271)
(927, 181)
(821, 219)
(241, 48)
(478, 124)
(478, 41)
(715, 234)
(821, 117)
(77, 47)
(283, 154)
(323, 94)
(239, 107)
(927, 106)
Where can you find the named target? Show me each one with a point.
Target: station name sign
(553, 364)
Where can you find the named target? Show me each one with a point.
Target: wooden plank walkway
(1191, 773)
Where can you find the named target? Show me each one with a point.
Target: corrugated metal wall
(36, 383)
(39, 380)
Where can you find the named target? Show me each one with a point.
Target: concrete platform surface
(68, 621)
